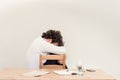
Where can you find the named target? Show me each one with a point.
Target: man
(43, 45)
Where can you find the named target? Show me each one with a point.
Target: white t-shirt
(40, 46)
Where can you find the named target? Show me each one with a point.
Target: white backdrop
(91, 30)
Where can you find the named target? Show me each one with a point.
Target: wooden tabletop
(15, 74)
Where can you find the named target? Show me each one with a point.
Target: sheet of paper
(35, 73)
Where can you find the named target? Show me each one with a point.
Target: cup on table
(80, 69)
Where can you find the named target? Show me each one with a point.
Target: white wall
(90, 29)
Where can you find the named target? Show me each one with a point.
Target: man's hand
(56, 44)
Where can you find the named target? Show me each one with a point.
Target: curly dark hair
(54, 35)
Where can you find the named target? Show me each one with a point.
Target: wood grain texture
(15, 74)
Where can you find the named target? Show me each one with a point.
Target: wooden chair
(61, 57)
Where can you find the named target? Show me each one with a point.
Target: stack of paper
(64, 72)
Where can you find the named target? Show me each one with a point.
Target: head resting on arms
(53, 36)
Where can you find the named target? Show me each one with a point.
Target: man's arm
(50, 48)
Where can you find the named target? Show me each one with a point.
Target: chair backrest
(61, 57)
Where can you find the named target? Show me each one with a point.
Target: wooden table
(15, 74)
